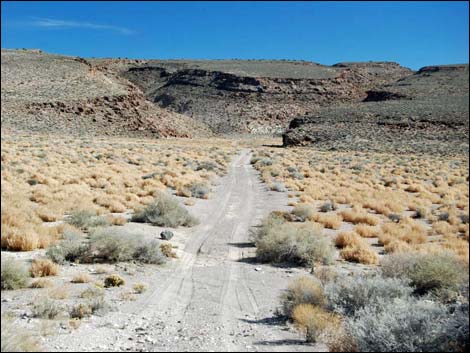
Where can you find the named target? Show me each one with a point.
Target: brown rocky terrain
(253, 96)
(424, 112)
(354, 104)
(51, 93)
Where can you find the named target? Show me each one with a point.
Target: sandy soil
(214, 297)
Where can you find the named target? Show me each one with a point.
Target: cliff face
(424, 112)
(255, 96)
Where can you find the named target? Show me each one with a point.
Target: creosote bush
(164, 211)
(116, 245)
(70, 248)
(429, 273)
(348, 294)
(45, 309)
(402, 325)
(279, 241)
(85, 220)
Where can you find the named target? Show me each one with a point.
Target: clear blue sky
(414, 34)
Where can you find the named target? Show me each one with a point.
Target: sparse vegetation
(14, 338)
(81, 278)
(167, 250)
(71, 248)
(139, 287)
(115, 246)
(43, 268)
(303, 244)
(14, 275)
(435, 273)
(45, 308)
(303, 290)
(165, 211)
(113, 281)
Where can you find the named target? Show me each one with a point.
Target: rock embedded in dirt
(166, 235)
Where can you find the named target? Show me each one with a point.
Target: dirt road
(214, 297)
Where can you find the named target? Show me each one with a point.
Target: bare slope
(61, 94)
(424, 112)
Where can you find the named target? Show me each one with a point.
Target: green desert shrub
(200, 191)
(402, 325)
(303, 290)
(328, 207)
(71, 248)
(150, 253)
(45, 308)
(279, 241)
(165, 211)
(85, 220)
(438, 274)
(111, 245)
(348, 294)
(14, 275)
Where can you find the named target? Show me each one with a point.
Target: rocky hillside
(251, 96)
(349, 103)
(52, 93)
(426, 111)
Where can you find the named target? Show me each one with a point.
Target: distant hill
(53, 93)
(346, 102)
(251, 96)
(426, 111)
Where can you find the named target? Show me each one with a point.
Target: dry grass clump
(329, 221)
(81, 278)
(443, 227)
(345, 239)
(314, 320)
(22, 232)
(43, 268)
(366, 231)
(116, 220)
(357, 217)
(303, 212)
(62, 292)
(167, 250)
(303, 290)
(361, 253)
(408, 231)
(139, 288)
(41, 283)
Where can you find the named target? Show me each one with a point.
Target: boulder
(166, 235)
